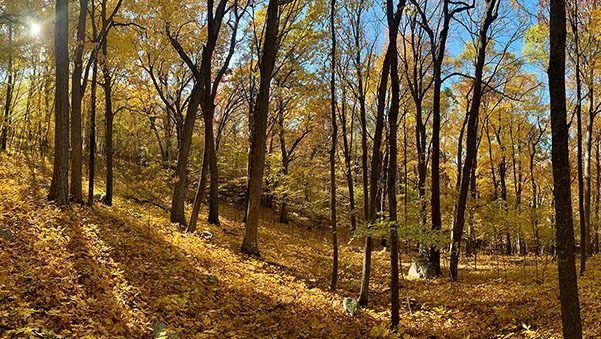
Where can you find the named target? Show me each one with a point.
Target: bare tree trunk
(597, 194)
(582, 221)
(472, 136)
(200, 192)
(177, 214)
(285, 164)
(92, 141)
(347, 162)
(76, 96)
(59, 188)
(256, 157)
(564, 233)
(394, 18)
(376, 164)
(9, 91)
(203, 95)
(333, 221)
(588, 147)
(108, 110)
(437, 50)
(362, 112)
(211, 156)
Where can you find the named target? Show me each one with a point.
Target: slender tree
(107, 85)
(92, 121)
(92, 134)
(376, 159)
(76, 97)
(9, 89)
(492, 7)
(438, 42)
(564, 232)
(333, 147)
(394, 18)
(258, 127)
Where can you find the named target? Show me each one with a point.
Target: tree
(376, 159)
(333, 147)
(203, 95)
(564, 232)
(59, 188)
(492, 7)
(76, 96)
(393, 16)
(107, 24)
(362, 62)
(258, 127)
(9, 90)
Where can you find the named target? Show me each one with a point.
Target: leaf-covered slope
(118, 271)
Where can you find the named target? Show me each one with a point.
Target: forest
(300, 168)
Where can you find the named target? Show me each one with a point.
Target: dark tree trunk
(588, 148)
(597, 194)
(376, 164)
(211, 156)
(108, 110)
(472, 137)
(256, 157)
(362, 112)
(200, 192)
(76, 96)
(438, 55)
(534, 199)
(334, 123)
(581, 212)
(177, 214)
(438, 49)
(347, 146)
(92, 134)
(285, 160)
(59, 188)
(394, 18)
(9, 91)
(203, 95)
(564, 233)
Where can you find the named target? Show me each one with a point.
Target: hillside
(121, 271)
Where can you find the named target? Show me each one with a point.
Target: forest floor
(120, 271)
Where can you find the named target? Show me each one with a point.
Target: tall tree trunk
(564, 233)
(362, 114)
(588, 148)
(348, 162)
(597, 193)
(333, 148)
(108, 110)
(256, 157)
(376, 166)
(472, 136)
(422, 168)
(59, 187)
(438, 52)
(582, 219)
(92, 134)
(9, 90)
(76, 96)
(203, 95)
(394, 18)
(177, 213)
(285, 160)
